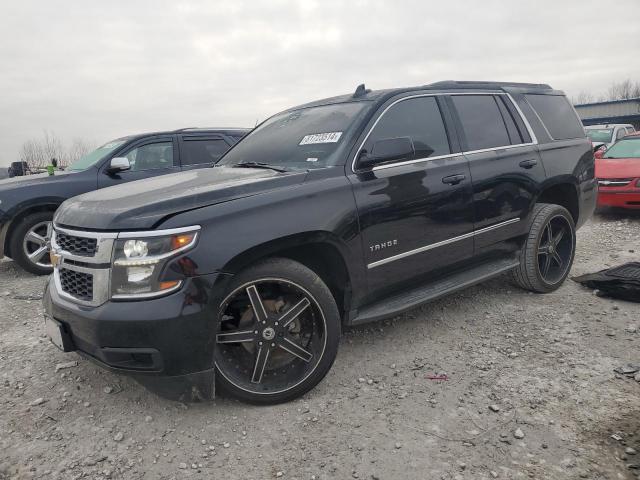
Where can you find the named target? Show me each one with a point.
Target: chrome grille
(84, 247)
(77, 284)
(614, 182)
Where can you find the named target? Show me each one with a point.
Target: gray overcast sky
(99, 70)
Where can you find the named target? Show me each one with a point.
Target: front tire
(548, 251)
(278, 334)
(29, 243)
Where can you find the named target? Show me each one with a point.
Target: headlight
(139, 261)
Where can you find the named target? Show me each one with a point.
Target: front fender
(238, 232)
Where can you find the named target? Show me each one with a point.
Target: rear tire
(29, 243)
(548, 251)
(278, 334)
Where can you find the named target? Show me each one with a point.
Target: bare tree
(582, 98)
(623, 90)
(79, 148)
(38, 153)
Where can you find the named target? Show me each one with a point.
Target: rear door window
(202, 150)
(557, 115)
(482, 122)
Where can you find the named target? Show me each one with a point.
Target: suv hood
(31, 180)
(618, 168)
(142, 204)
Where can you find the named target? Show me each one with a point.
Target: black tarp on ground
(619, 282)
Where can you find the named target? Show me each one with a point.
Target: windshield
(627, 148)
(302, 139)
(600, 134)
(90, 159)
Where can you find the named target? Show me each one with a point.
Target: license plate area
(57, 334)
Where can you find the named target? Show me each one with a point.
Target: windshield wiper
(258, 165)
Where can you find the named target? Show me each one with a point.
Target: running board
(410, 299)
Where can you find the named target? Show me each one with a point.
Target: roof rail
(478, 84)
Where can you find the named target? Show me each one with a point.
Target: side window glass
(512, 130)
(557, 114)
(420, 120)
(151, 156)
(621, 133)
(196, 152)
(482, 121)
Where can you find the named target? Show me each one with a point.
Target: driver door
(148, 158)
(416, 213)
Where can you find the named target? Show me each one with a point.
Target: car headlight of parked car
(139, 261)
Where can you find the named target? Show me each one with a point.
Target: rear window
(557, 115)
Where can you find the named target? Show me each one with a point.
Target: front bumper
(619, 199)
(164, 343)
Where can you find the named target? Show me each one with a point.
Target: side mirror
(119, 164)
(386, 150)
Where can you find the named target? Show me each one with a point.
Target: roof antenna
(361, 91)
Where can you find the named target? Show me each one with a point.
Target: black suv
(27, 203)
(331, 214)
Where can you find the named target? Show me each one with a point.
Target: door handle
(528, 163)
(453, 179)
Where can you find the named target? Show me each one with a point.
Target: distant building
(614, 111)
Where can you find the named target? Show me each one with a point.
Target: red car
(618, 174)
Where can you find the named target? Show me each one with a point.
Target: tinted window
(557, 115)
(514, 134)
(482, 121)
(416, 118)
(151, 156)
(196, 152)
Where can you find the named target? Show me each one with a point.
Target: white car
(608, 134)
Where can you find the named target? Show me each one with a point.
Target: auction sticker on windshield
(330, 137)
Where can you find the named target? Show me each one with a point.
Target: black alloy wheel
(274, 340)
(556, 249)
(548, 250)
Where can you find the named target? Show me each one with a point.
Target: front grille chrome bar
(98, 265)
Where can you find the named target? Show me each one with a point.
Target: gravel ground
(530, 393)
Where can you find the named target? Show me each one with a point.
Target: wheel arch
(17, 216)
(563, 193)
(319, 251)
